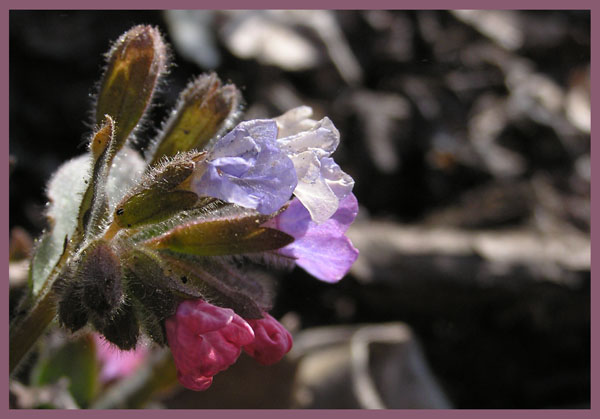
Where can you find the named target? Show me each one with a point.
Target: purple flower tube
(323, 250)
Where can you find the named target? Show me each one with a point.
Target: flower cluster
(260, 164)
(148, 244)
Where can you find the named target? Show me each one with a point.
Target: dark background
(515, 339)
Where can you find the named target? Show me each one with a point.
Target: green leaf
(225, 236)
(65, 191)
(46, 254)
(203, 110)
(75, 360)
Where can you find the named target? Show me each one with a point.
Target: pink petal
(194, 383)
(205, 340)
(272, 341)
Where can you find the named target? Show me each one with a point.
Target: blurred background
(468, 135)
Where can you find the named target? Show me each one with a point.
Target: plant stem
(25, 330)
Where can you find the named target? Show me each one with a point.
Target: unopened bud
(157, 198)
(135, 62)
(71, 312)
(222, 236)
(148, 284)
(122, 328)
(101, 276)
(203, 109)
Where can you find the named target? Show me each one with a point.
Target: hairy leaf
(225, 236)
(65, 191)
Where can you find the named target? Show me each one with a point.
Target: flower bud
(222, 236)
(148, 284)
(71, 313)
(205, 340)
(271, 340)
(158, 196)
(134, 64)
(203, 110)
(100, 277)
(122, 328)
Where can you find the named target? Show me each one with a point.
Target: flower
(309, 144)
(323, 250)
(116, 363)
(260, 163)
(246, 167)
(271, 340)
(204, 340)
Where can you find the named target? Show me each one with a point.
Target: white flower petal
(323, 138)
(307, 165)
(318, 198)
(295, 121)
(321, 182)
(340, 182)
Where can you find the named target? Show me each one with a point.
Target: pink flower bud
(272, 341)
(205, 340)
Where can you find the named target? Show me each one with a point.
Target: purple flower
(271, 342)
(205, 339)
(323, 250)
(116, 363)
(246, 167)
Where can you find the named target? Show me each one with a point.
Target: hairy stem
(27, 328)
